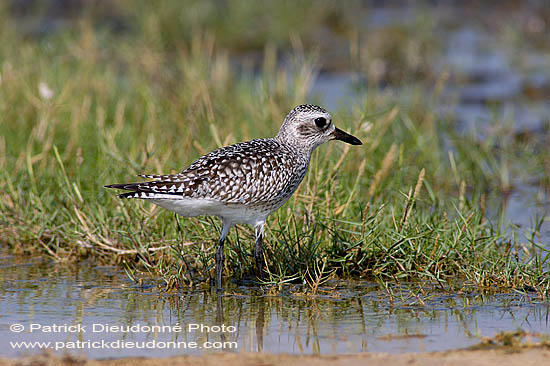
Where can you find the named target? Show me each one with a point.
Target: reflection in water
(219, 314)
(260, 321)
(354, 317)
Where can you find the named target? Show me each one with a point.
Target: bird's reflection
(220, 315)
(260, 322)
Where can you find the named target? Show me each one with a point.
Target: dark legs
(219, 268)
(258, 252)
(219, 264)
(219, 255)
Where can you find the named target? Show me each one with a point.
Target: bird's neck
(295, 145)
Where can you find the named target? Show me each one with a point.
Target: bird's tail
(149, 190)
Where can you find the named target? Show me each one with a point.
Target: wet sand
(502, 357)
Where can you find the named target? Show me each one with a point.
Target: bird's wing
(249, 172)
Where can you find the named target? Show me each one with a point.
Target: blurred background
(495, 51)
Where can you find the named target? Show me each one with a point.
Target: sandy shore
(501, 357)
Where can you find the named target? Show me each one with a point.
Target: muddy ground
(501, 357)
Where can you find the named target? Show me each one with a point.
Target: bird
(245, 182)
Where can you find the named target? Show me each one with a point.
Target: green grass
(408, 205)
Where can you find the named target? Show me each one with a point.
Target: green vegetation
(93, 105)
(513, 341)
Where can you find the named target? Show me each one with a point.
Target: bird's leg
(258, 252)
(219, 264)
(219, 255)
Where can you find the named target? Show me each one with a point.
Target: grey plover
(245, 182)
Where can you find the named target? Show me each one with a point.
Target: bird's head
(309, 126)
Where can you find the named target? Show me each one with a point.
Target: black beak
(338, 134)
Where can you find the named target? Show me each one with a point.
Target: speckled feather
(256, 172)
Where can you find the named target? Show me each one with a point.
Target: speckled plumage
(260, 173)
(244, 182)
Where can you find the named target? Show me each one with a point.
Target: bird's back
(256, 173)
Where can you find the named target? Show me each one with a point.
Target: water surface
(343, 318)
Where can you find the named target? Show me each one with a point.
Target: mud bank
(502, 356)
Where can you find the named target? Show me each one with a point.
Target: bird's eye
(320, 122)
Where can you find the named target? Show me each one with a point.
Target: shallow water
(349, 317)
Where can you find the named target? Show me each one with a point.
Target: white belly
(230, 212)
